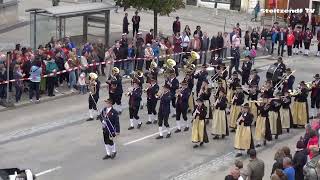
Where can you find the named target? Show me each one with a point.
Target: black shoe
(264, 142)
(174, 115)
(90, 119)
(196, 146)
(276, 137)
(141, 107)
(288, 130)
(119, 112)
(159, 137)
(52, 95)
(113, 155)
(106, 157)
(232, 130)
(177, 131)
(155, 121)
(258, 145)
(130, 128)
(139, 125)
(148, 122)
(216, 137)
(223, 136)
(168, 135)
(186, 129)
(238, 155)
(201, 144)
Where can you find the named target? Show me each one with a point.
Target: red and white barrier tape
(98, 63)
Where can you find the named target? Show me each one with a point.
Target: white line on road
(48, 171)
(146, 137)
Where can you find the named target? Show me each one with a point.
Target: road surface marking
(147, 137)
(48, 171)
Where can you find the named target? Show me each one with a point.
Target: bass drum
(272, 73)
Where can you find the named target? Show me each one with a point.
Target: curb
(68, 94)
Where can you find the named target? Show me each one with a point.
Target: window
(316, 6)
(218, 1)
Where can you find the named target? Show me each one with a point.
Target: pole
(35, 31)
(8, 75)
(225, 22)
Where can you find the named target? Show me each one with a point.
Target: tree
(161, 7)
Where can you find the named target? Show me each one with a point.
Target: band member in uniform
(219, 88)
(267, 89)
(204, 94)
(233, 83)
(173, 83)
(115, 88)
(199, 131)
(111, 127)
(253, 94)
(164, 111)
(281, 68)
(237, 101)
(182, 106)
(220, 122)
(190, 80)
(243, 139)
(300, 106)
(315, 96)
(201, 76)
(254, 78)
(134, 103)
(274, 115)
(285, 112)
(288, 82)
(153, 72)
(262, 131)
(152, 100)
(139, 75)
(94, 87)
(246, 69)
(222, 75)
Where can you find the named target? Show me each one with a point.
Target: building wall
(297, 4)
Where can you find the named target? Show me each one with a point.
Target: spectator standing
(35, 75)
(299, 159)
(255, 168)
(195, 43)
(313, 24)
(128, 65)
(60, 63)
(185, 44)
(3, 77)
(135, 23)
(290, 42)
(236, 40)
(149, 37)
(205, 43)
(69, 66)
(125, 24)
(139, 51)
(17, 76)
(220, 44)
(247, 39)
(282, 39)
(297, 38)
(288, 169)
(305, 21)
(82, 83)
(213, 47)
(254, 37)
(187, 30)
(51, 67)
(278, 175)
(226, 43)
(269, 41)
(117, 54)
(176, 26)
(177, 41)
(156, 50)
(278, 157)
(148, 54)
(256, 11)
(318, 39)
(274, 39)
(287, 152)
(239, 30)
(310, 170)
(109, 58)
(307, 37)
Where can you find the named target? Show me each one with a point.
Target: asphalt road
(55, 141)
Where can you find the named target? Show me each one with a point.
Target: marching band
(238, 105)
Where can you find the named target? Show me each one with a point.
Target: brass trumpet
(129, 92)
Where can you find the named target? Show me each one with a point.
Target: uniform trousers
(315, 102)
(307, 45)
(151, 106)
(173, 101)
(116, 98)
(181, 111)
(133, 112)
(245, 79)
(93, 100)
(107, 139)
(163, 119)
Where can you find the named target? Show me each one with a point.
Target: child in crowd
(253, 54)
(246, 52)
(82, 83)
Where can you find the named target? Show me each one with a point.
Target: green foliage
(163, 7)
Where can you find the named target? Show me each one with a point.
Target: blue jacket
(110, 122)
(274, 37)
(35, 74)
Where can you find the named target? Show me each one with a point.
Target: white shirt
(185, 41)
(109, 109)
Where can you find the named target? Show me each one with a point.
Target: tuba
(153, 65)
(169, 65)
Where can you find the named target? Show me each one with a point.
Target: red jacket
(313, 142)
(290, 39)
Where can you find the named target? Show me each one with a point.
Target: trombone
(284, 78)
